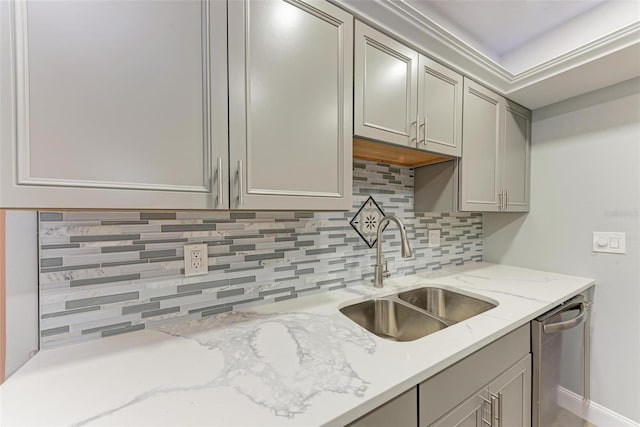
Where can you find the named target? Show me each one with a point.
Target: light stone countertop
(294, 363)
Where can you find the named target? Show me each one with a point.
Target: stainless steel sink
(446, 304)
(414, 314)
(392, 320)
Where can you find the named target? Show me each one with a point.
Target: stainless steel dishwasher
(561, 358)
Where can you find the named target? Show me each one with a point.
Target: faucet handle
(386, 273)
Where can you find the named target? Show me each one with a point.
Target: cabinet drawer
(441, 393)
(401, 411)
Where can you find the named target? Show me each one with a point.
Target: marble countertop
(294, 363)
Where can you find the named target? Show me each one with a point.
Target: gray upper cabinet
(102, 106)
(495, 152)
(386, 88)
(290, 101)
(516, 152)
(439, 108)
(479, 178)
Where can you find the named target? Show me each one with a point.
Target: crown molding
(402, 21)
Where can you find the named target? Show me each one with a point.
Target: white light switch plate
(609, 242)
(196, 259)
(434, 238)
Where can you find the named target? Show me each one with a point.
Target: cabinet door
(103, 107)
(290, 82)
(513, 392)
(439, 108)
(516, 148)
(386, 88)
(467, 414)
(482, 122)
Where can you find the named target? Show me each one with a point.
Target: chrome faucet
(381, 273)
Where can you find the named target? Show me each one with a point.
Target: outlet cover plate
(434, 238)
(609, 242)
(196, 259)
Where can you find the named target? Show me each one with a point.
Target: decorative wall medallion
(366, 221)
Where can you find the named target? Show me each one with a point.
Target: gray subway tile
(106, 327)
(158, 215)
(259, 257)
(105, 299)
(139, 308)
(160, 312)
(119, 331)
(69, 268)
(129, 248)
(69, 312)
(242, 280)
(242, 215)
(116, 222)
(61, 246)
(304, 271)
(236, 248)
(54, 331)
(286, 297)
(152, 241)
(158, 254)
(188, 227)
(203, 285)
(50, 262)
(118, 263)
(217, 311)
(50, 216)
(276, 230)
(230, 293)
(304, 243)
(100, 280)
(183, 294)
(320, 251)
(104, 238)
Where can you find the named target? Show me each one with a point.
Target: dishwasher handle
(551, 328)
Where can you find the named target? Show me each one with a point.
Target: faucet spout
(405, 249)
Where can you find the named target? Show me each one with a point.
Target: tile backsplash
(107, 273)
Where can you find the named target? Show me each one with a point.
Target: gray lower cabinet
(495, 165)
(401, 411)
(102, 107)
(491, 387)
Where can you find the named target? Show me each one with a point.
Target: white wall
(22, 288)
(585, 177)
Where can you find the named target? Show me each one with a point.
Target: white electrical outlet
(434, 238)
(196, 259)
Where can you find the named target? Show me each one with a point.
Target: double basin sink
(413, 314)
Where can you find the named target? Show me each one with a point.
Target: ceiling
(501, 26)
(535, 52)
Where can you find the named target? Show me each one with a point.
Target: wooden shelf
(393, 154)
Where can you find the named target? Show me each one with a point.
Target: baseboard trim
(592, 411)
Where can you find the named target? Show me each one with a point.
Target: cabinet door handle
(500, 205)
(423, 126)
(499, 409)
(506, 200)
(220, 189)
(240, 186)
(484, 420)
(496, 409)
(413, 139)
